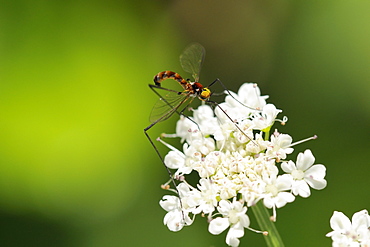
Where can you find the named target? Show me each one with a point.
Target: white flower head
(350, 233)
(238, 165)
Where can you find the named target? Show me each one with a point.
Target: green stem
(263, 218)
(267, 134)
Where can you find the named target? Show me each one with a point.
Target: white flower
(275, 191)
(185, 128)
(305, 174)
(209, 194)
(248, 100)
(174, 160)
(202, 124)
(248, 94)
(176, 218)
(265, 119)
(190, 197)
(209, 165)
(206, 120)
(347, 233)
(279, 146)
(234, 215)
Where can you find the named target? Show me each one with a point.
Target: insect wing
(192, 59)
(167, 105)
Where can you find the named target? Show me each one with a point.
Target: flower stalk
(273, 238)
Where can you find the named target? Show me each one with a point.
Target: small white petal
(224, 206)
(339, 222)
(300, 187)
(288, 167)
(361, 219)
(283, 198)
(169, 203)
(285, 141)
(174, 160)
(244, 220)
(284, 182)
(218, 225)
(175, 220)
(316, 184)
(316, 171)
(268, 202)
(305, 160)
(314, 176)
(233, 235)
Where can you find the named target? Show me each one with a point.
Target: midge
(191, 88)
(191, 61)
(174, 101)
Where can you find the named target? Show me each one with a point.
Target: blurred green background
(75, 166)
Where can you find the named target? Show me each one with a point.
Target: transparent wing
(167, 105)
(192, 59)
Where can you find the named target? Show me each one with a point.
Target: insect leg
(168, 170)
(159, 154)
(229, 93)
(181, 113)
(236, 125)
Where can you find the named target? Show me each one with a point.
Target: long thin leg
(228, 92)
(159, 155)
(236, 125)
(168, 170)
(151, 142)
(174, 109)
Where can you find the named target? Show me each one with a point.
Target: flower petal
(361, 219)
(218, 225)
(288, 167)
(316, 171)
(233, 235)
(174, 160)
(305, 160)
(339, 222)
(283, 198)
(314, 176)
(301, 188)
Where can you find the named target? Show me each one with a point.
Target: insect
(191, 61)
(174, 101)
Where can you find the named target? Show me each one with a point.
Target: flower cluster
(238, 163)
(352, 234)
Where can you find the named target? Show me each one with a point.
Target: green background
(75, 166)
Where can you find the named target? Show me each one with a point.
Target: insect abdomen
(164, 75)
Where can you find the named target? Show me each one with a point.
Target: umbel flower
(238, 164)
(352, 234)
